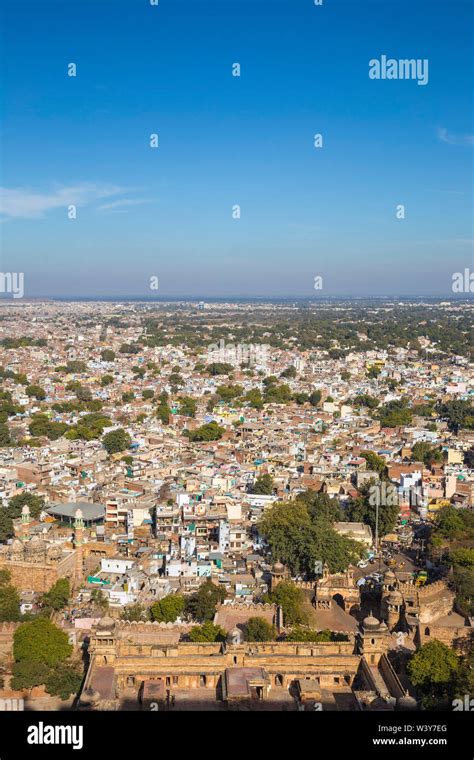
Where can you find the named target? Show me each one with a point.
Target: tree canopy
(258, 629)
(41, 641)
(300, 534)
(169, 608)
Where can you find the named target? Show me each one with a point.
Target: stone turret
(25, 521)
(278, 574)
(372, 639)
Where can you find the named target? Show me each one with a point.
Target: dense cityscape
(236, 505)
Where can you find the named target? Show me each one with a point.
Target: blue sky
(227, 140)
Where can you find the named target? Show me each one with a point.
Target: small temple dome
(54, 552)
(36, 543)
(278, 568)
(234, 636)
(389, 575)
(370, 622)
(106, 624)
(78, 514)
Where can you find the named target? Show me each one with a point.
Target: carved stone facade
(35, 565)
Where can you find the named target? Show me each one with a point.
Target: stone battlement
(432, 589)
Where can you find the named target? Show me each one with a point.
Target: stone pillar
(25, 521)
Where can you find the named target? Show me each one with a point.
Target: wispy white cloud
(24, 203)
(452, 139)
(120, 204)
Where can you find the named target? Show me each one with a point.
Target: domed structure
(35, 550)
(370, 622)
(278, 568)
(54, 553)
(106, 624)
(234, 636)
(17, 549)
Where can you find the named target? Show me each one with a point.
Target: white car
(363, 563)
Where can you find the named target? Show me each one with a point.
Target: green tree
(320, 505)
(423, 452)
(41, 641)
(363, 508)
(116, 440)
(169, 608)
(5, 437)
(187, 406)
(6, 525)
(463, 557)
(76, 366)
(434, 670)
(211, 431)
(254, 398)
(35, 503)
(207, 632)
(302, 633)
(315, 398)
(28, 673)
(58, 595)
(107, 355)
(395, 413)
(163, 413)
(202, 605)
(277, 394)
(64, 680)
(219, 368)
(35, 391)
(106, 380)
(459, 414)
(374, 462)
(9, 598)
(134, 612)
(263, 485)
(292, 601)
(364, 399)
(299, 535)
(258, 629)
(449, 523)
